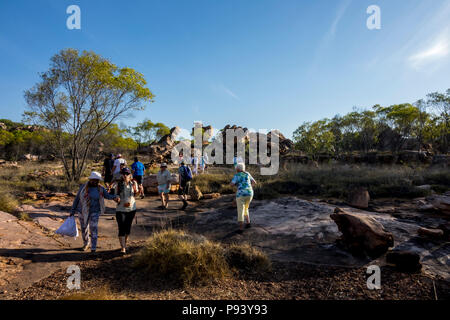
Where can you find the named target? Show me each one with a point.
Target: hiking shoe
(85, 247)
(248, 225)
(123, 250)
(93, 251)
(142, 197)
(185, 204)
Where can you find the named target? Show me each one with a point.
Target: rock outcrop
(150, 183)
(362, 235)
(441, 203)
(359, 198)
(431, 233)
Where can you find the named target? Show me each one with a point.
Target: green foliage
(116, 140)
(314, 138)
(6, 137)
(380, 128)
(147, 132)
(78, 98)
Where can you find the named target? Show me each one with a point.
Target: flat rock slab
(301, 230)
(7, 217)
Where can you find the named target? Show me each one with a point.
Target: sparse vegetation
(334, 181)
(216, 181)
(247, 258)
(182, 258)
(103, 293)
(192, 259)
(8, 203)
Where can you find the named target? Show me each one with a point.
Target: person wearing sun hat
(90, 204)
(126, 189)
(164, 177)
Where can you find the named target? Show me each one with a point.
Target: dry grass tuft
(183, 258)
(103, 293)
(246, 258)
(8, 203)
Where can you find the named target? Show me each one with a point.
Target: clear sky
(262, 64)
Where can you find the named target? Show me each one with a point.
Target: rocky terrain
(311, 250)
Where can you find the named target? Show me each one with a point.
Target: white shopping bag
(68, 228)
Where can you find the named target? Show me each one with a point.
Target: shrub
(8, 203)
(182, 258)
(247, 258)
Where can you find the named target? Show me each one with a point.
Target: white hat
(163, 164)
(95, 176)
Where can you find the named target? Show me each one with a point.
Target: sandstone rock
(431, 233)
(359, 198)
(3, 126)
(425, 187)
(151, 180)
(362, 234)
(445, 227)
(40, 174)
(30, 157)
(195, 193)
(9, 164)
(407, 261)
(441, 203)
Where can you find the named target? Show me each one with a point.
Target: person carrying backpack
(185, 175)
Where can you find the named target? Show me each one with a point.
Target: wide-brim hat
(125, 171)
(95, 176)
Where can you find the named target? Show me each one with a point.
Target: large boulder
(359, 198)
(168, 141)
(152, 181)
(30, 157)
(431, 233)
(362, 234)
(441, 203)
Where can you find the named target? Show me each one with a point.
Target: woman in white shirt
(126, 189)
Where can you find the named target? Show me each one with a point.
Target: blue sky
(262, 64)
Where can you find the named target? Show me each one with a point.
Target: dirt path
(297, 234)
(30, 251)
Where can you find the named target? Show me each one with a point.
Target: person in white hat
(90, 204)
(164, 177)
(117, 164)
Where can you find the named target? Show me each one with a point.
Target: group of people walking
(123, 185)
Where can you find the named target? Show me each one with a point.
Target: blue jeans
(91, 227)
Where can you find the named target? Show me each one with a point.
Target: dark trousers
(124, 221)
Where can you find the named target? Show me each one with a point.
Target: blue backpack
(187, 173)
